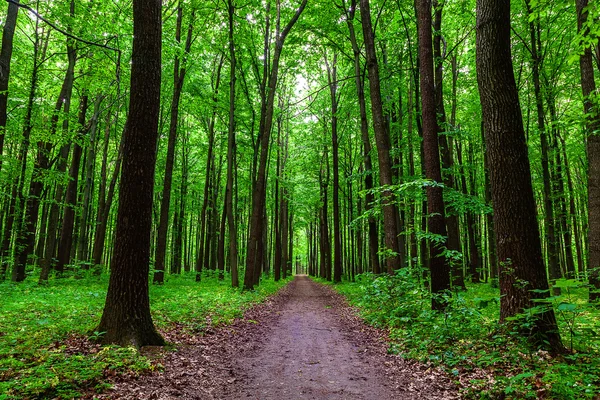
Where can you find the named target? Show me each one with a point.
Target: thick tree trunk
(522, 272)
(126, 318)
(382, 139)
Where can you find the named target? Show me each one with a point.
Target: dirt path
(305, 343)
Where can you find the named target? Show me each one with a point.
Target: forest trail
(305, 343)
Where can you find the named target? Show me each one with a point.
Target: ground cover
(47, 332)
(488, 361)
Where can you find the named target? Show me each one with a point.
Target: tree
(178, 80)
(255, 245)
(126, 318)
(522, 272)
(588, 87)
(382, 139)
(8, 33)
(438, 264)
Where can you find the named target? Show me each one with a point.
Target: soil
(303, 343)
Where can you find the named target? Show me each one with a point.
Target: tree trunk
(8, 33)
(445, 143)
(438, 264)
(588, 87)
(126, 318)
(382, 139)
(337, 242)
(178, 79)
(522, 271)
(255, 250)
(231, 148)
(66, 237)
(549, 221)
(364, 130)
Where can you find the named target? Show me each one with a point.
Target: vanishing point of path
(305, 343)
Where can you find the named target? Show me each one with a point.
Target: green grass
(467, 338)
(36, 320)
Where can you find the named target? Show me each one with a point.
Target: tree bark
(366, 141)
(590, 106)
(8, 33)
(438, 264)
(522, 272)
(126, 318)
(382, 139)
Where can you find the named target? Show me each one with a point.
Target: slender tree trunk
(178, 80)
(440, 270)
(255, 249)
(203, 248)
(8, 33)
(445, 145)
(549, 221)
(337, 242)
(382, 139)
(366, 141)
(231, 148)
(66, 237)
(588, 87)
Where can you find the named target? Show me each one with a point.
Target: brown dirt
(303, 343)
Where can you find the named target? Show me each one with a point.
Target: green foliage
(44, 330)
(466, 339)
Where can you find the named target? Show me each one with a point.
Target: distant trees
(335, 156)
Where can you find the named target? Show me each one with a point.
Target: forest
(316, 199)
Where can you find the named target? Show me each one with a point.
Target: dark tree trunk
(104, 203)
(337, 241)
(231, 148)
(489, 217)
(588, 87)
(522, 271)
(364, 130)
(126, 318)
(178, 80)
(445, 144)
(382, 139)
(438, 265)
(8, 33)
(66, 236)
(83, 246)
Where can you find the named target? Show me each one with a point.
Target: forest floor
(303, 343)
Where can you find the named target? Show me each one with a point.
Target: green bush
(44, 352)
(467, 336)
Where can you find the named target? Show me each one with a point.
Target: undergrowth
(488, 361)
(39, 324)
